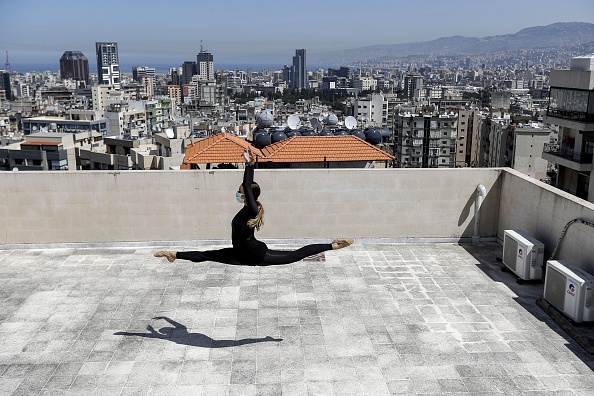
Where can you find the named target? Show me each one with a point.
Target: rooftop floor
(373, 319)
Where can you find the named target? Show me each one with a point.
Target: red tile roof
(323, 148)
(217, 149)
(228, 148)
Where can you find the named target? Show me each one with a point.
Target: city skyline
(244, 34)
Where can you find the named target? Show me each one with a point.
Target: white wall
(543, 211)
(121, 206)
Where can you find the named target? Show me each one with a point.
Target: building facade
(108, 67)
(571, 108)
(205, 65)
(298, 70)
(74, 66)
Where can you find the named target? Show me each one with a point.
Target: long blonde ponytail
(257, 221)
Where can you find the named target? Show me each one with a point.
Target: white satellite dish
(293, 122)
(223, 129)
(169, 133)
(350, 122)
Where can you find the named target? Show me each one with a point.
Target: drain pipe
(481, 193)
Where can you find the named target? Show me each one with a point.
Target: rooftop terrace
(410, 308)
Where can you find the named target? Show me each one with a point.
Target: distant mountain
(555, 35)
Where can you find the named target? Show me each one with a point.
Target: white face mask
(238, 197)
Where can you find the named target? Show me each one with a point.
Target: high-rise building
(188, 71)
(413, 86)
(298, 70)
(204, 65)
(108, 67)
(74, 66)
(5, 85)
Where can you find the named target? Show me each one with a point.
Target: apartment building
(571, 108)
(426, 141)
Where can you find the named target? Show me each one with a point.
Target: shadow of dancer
(179, 334)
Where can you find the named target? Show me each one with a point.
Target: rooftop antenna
(7, 63)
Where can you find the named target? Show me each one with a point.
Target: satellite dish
(314, 121)
(350, 122)
(169, 133)
(293, 122)
(223, 129)
(318, 128)
(265, 119)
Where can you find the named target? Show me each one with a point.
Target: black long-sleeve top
(242, 236)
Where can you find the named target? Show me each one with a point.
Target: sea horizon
(161, 68)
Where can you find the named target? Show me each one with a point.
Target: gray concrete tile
(371, 319)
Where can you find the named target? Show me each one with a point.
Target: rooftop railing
(564, 152)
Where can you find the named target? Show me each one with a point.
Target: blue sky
(260, 32)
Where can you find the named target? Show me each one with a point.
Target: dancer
(247, 250)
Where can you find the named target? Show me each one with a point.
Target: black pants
(272, 257)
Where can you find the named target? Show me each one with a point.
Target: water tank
(278, 136)
(332, 119)
(341, 132)
(373, 136)
(293, 133)
(265, 119)
(262, 139)
(307, 132)
(359, 133)
(326, 132)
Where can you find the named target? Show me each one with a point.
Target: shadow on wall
(180, 335)
(468, 213)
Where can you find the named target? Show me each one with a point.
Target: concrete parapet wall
(543, 211)
(136, 206)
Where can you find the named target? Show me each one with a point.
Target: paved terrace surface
(430, 319)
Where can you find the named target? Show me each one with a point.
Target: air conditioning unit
(523, 255)
(570, 290)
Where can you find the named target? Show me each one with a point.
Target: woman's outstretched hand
(249, 156)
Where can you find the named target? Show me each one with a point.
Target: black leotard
(244, 242)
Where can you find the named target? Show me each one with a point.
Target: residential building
(413, 86)
(571, 108)
(40, 151)
(108, 67)
(468, 124)
(426, 141)
(372, 110)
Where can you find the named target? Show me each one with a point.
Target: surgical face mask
(238, 197)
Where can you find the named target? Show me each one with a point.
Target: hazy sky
(238, 31)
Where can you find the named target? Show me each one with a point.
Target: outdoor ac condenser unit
(570, 290)
(523, 255)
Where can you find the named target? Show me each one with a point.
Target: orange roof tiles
(323, 148)
(220, 148)
(228, 148)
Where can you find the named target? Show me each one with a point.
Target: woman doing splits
(247, 250)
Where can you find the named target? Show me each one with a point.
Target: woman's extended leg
(279, 257)
(225, 256)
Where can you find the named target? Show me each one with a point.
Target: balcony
(412, 307)
(568, 158)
